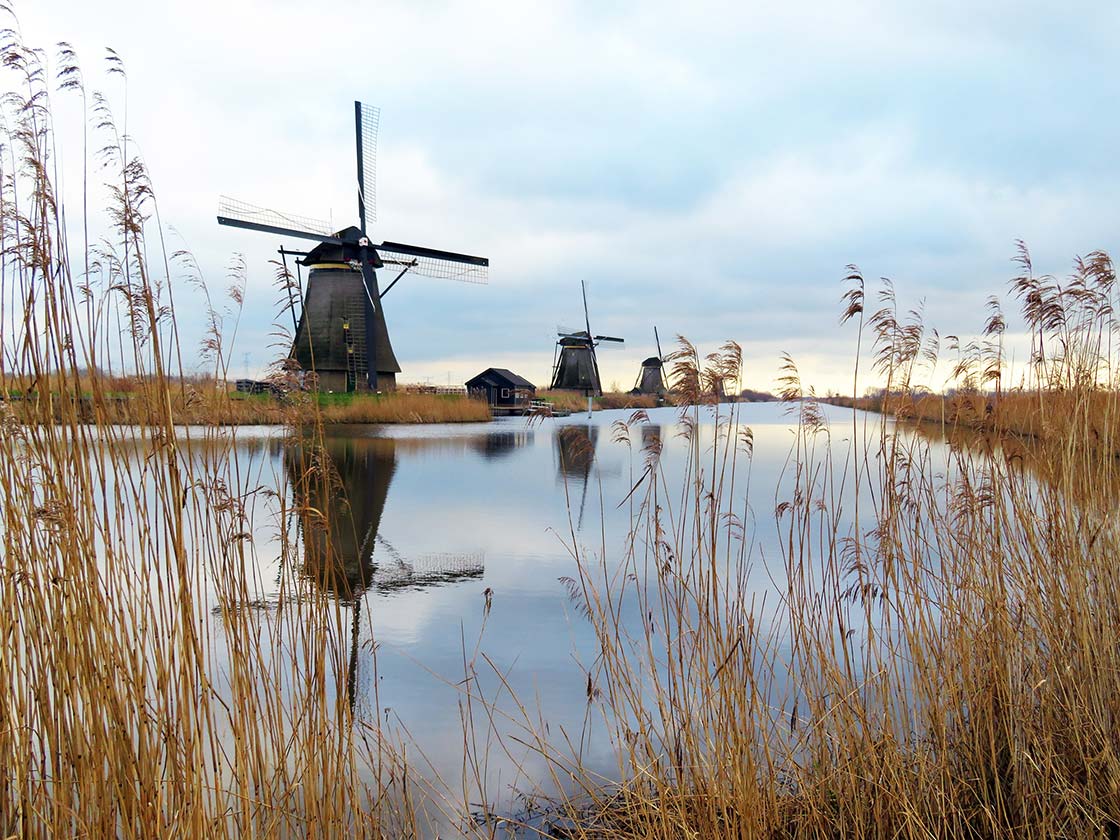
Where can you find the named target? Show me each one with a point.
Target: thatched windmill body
(340, 333)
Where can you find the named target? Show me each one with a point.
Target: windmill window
(505, 393)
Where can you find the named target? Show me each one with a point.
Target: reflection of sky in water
(460, 510)
(441, 514)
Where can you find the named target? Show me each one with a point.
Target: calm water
(443, 518)
(459, 540)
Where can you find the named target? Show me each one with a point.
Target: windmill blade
(242, 214)
(430, 262)
(565, 331)
(612, 342)
(367, 121)
(660, 355)
(586, 316)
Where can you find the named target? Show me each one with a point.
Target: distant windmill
(341, 333)
(575, 366)
(650, 379)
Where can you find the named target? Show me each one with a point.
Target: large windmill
(575, 366)
(341, 335)
(651, 379)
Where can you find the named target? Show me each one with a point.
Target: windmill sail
(367, 121)
(236, 213)
(575, 450)
(430, 262)
(575, 366)
(341, 339)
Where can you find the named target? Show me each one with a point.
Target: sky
(710, 169)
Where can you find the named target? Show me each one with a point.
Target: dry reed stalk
(131, 708)
(941, 663)
(626, 401)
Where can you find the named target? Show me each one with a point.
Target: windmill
(341, 335)
(650, 379)
(574, 364)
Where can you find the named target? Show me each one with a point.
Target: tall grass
(130, 707)
(405, 408)
(938, 657)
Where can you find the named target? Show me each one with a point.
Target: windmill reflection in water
(339, 490)
(576, 446)
(575, 455)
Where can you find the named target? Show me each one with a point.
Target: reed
(939, 658)
(130, 707)
(1069, 392)
(407, 408)
(623, 400)
(564, 400)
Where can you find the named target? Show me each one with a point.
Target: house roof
(501, 376)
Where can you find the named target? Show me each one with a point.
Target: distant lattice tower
(341, 335)
(575, 366)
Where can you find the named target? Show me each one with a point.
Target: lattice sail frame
(606, 342)
(435, 268)
(233, 208)
(426, 262)
(369, 123)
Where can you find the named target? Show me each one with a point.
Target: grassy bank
(576, 402)
(148, 690)
(196, 402)
(1091, 415)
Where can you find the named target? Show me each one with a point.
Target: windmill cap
(580, 339)
(341, 252)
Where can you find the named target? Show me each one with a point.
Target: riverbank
(926, 649)
(1083, 416)
(193, 406)
(202, 403)
(575, 402)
